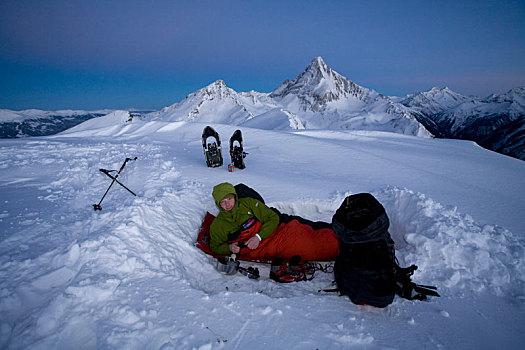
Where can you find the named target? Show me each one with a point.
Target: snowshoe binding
(293, 270)
(212, 150)
(237, 153)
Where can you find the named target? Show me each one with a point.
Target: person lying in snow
(271, 235)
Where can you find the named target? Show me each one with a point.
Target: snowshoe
(287, 271)
(298, 267)
(237, 153)
(212, 150)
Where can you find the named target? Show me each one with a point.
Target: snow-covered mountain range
(496, 122)
(321, 98)
(35, 122)
(318, 98)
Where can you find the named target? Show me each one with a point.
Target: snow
(130, 277)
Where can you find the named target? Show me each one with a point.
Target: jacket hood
(222, 190)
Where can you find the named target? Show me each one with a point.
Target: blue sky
(68, 54)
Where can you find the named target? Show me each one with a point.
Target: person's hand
(234, 248)
(252, 243)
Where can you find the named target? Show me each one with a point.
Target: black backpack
(244, 191)
(366, 268)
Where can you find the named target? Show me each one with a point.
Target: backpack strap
(407, 289)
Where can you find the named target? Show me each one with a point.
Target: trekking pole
(117, 181)
(114, 178)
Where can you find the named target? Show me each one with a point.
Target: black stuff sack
(364, 266)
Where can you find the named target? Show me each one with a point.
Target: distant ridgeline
(42, 126)
(43, 123)
(496, 122)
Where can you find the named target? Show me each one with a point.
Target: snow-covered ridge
(214, 103)
(436, 100)
(318, 98)
(13, 116)
(495, 122)
(34, 122)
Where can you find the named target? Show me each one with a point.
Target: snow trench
(113, 272)
(155, 237)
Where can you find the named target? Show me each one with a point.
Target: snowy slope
(129, 275)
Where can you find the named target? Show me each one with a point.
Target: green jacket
(228, 222)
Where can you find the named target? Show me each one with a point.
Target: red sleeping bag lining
(288, 239)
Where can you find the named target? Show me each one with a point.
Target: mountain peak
(436, 89)
(216, 89)
(318, 85)
(517, 93)
(318, 64)
(435, 100)
(219, 82)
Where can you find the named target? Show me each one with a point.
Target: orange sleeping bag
(288, 239)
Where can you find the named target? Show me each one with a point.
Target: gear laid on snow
(229, 266)
(407, 289)
(212, 150)
(251, 272)
(114, 178)
(237, 153)
(291, 270)
(366, 268)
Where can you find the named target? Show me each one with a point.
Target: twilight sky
(94, 54)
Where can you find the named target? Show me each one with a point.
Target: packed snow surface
(129, 276)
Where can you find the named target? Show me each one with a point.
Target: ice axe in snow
(114, 178)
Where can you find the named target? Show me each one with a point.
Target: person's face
(227, 203)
